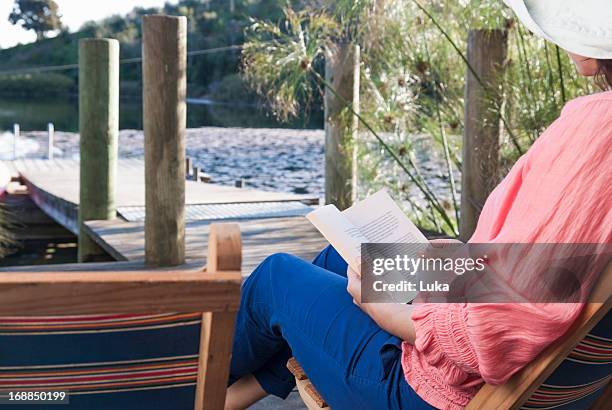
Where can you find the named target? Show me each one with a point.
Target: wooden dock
(124, 241)
(54, 187)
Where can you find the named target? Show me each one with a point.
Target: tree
(41, 16)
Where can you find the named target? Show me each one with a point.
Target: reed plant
(5, 237)
(412, 86)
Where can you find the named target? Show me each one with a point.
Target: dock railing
(16, 135)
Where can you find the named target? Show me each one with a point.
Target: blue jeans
(290, 307)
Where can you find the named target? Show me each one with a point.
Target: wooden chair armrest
(215, 293)
(224, 248)
(70, 293)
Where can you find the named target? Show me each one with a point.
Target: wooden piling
(16, 131)
(487, 53)
(188, 167)
(164, 75)
(341, 127)
(50, 140)
(195, 173)
(99, 129)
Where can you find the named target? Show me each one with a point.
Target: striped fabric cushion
(103, 361)
(580, 378)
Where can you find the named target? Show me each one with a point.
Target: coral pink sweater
(559, 192)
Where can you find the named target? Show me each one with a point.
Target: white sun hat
(581, 27)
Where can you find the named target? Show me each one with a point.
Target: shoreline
(273, 159)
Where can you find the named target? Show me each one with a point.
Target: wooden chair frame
(215, 292)
(516, 391)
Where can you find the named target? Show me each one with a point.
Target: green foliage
(36, 84)
(277, 60)
(412, 86)
(41, 16)
(57, 51)
(232, 89)
(211, 24)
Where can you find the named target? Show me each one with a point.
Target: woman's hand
(392, 317)
(354, 285)
(395, 318)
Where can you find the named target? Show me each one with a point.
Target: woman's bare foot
(245, 392)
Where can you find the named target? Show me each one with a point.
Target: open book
(376, 219)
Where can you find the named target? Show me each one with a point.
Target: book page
(381, 220)
(340, 233)
(377, 219)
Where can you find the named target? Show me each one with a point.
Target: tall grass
(5, 237)
(413, 75)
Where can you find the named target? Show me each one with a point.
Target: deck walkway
(270, 221)
(124, 241)
(54, 187)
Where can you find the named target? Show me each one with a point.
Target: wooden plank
(63, 182)
(260, 238)
(67, 293)
(57, 192)
(113, 252)
(29, 222)
(95, 267)
(63, 212)
(215, 351)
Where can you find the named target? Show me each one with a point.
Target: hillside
(211, 25)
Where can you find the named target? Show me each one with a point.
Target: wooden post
(224, 255)
(342, 72)
(16, 132)
(99, 128)
(164, 75)
(189, 167)
(487, 52)
(50, 139)
(195, 173)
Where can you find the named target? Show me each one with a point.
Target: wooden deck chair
(124, 340)
(573, 373)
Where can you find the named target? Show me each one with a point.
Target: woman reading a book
(424, 356)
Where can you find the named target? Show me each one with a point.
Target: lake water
(63, 112)
(236, 143)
